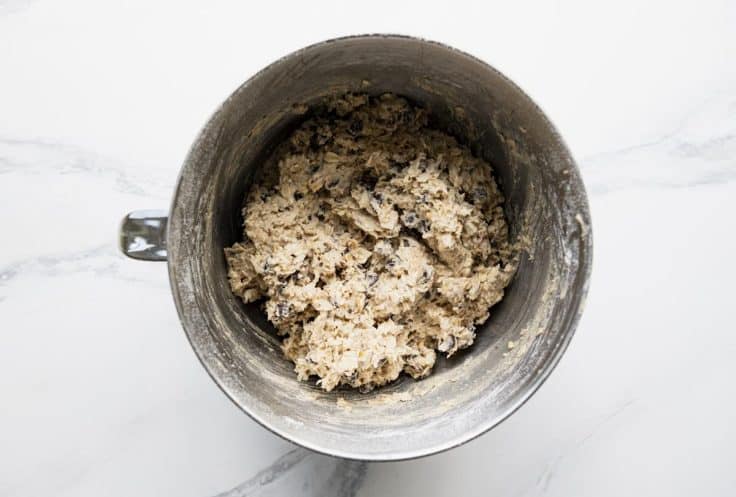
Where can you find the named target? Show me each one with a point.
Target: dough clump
(374, 241)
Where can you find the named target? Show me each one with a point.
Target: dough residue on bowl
(375, 243)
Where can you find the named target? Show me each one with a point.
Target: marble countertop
(101, 393)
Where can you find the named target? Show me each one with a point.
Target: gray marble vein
(41, 157)
(52, 263)
(549, 471)
(101, 260)
(684, 157)
(301, 472)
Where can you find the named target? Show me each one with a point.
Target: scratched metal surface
(465, 396)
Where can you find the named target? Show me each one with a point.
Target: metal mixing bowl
(466, 395)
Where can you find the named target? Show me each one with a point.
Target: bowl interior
(477, 388)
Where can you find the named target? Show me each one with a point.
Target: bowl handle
(143, 235)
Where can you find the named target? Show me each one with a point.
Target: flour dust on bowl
(514, 351)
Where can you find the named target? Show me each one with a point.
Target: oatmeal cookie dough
(376, 243)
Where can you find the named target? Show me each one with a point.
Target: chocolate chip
(479, 194)
(409, 219)
(298, 195)
(396, 165)
(283, 309)
(356, 126)
(333, 183)
(405, 242)
(314, 142)
(314, 168)
(368, 180)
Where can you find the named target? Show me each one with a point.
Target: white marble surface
(100, 392)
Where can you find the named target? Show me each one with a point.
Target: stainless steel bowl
(466, 395)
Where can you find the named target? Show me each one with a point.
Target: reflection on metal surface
(143, 235)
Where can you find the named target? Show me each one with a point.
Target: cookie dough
(375, 242)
